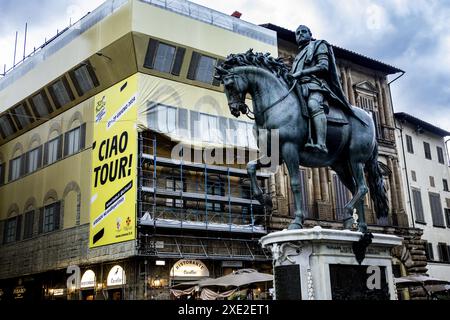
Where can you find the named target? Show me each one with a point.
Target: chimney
(236, 14)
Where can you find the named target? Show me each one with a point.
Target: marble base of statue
(320, 264)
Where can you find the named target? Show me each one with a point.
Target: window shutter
(215, 81)
(436, 209)
(195, 117)
(179, 55)
(66, 143)
(45, 153)
(57, 215)
(5, 224)
(39, 163)
(151, 52)
(60, 140)
(430, 254)
(193, 66)
(24, 164)
(83, 136)
(2, 173)
(10, 170)
(41, 220)
(418, 208)
(18, 227)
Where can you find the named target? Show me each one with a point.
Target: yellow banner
(114, 165)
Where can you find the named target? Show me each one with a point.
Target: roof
(339, 52)
(422, 124)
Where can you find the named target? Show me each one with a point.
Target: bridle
(244, 109)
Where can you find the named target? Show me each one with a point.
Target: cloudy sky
(412, 35)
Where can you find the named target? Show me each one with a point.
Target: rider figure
(318, 83)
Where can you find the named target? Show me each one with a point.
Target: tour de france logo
(100, 109)
(119, 224)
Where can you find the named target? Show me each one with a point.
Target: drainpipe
(406, 173)
(403, 147)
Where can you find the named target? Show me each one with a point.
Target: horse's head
(235, 87)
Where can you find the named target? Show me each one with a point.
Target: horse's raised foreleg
(357, 169)
(289, 152)
(252, 167)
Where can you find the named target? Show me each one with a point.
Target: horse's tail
(376, 185)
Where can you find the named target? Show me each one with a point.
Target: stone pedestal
(319, 264)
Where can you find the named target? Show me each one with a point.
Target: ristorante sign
(189, 268)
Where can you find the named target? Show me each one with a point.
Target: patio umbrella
(238, 278)
(417, 279)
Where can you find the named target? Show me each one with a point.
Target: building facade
(425, 172)
(108, 135)
(122, 172)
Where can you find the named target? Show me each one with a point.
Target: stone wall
(57, 250)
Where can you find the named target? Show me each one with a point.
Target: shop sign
(116, 276)
(58, 292)
(232, 264)
(88, 280)
(189, 268)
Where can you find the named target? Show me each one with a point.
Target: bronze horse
(352, 145)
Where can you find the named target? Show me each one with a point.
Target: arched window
(50, 213)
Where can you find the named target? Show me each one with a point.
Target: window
(9, 233)
(6, 126)
(216, 188)
(74, 140)
(426, 147)
(34, 159)
(244, 134)
(163, 118)
(209, 129)
(15, 168)
(2, 174)
(61, 93)
(164, 57)
(40, 105)
(447, 216)
(445, 184)
(174, 185)
(443, 252)
(22, 116)
(432, 182)
(418, 208)
(29, 223)
(52, 150)
(436, 209)
(409, 144)
(84, 78)
(49, 218)
(413, 176)
(440, 155)
(429, 251)
(202, 69)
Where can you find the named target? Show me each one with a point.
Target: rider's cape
(334, 88)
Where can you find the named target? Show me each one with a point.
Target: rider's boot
(320, 125)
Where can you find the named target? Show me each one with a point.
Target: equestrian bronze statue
(317, 126)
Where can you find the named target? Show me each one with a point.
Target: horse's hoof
(295, 226)
(348, 223)
(362, 227)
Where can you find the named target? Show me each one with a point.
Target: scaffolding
(175, 193)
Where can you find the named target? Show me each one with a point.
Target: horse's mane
(258, 59)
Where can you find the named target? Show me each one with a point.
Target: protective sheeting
(191, 115)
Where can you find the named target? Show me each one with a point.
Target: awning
(238, 278)
(418, 279)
